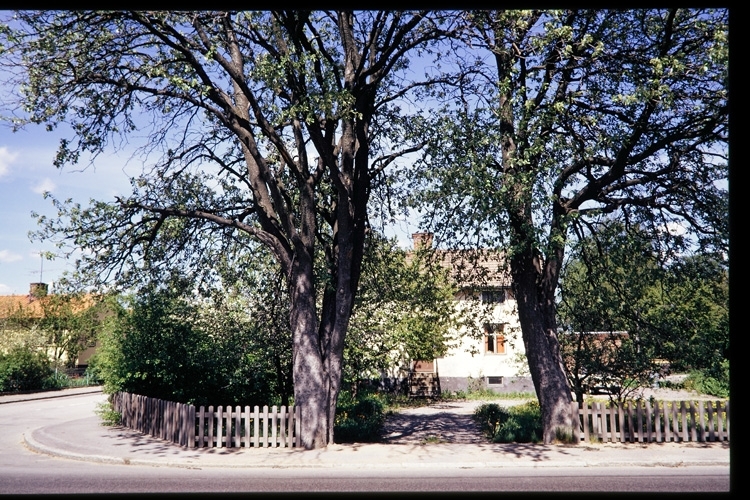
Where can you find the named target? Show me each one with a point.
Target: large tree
(564, 117)
(270, 125)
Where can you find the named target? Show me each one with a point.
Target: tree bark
(309, 374)
(539, 334)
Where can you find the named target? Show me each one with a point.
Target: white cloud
(8, 256)
(6, 158)
(45, 186)
(4, 289)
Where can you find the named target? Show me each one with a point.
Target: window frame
(496, 332)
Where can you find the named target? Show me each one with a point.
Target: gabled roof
(33, 305)
(470, 268)
(30, 305)
(477, 269)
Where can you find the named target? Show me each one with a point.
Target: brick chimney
(422, 240)
(37, 290)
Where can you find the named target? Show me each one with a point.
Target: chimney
(37, 290)
(422, 240)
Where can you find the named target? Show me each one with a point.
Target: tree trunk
(536, 311)
(309, 374)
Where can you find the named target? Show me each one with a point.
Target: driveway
(441, 422)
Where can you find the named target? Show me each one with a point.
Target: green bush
(710, 381)
(359, 420)
(490, 418)
(517, 424)
(25, 370)
(161, 347)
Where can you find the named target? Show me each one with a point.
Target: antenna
(41, 267)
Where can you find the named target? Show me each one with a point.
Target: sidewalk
(86, 439)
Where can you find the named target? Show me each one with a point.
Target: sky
(27, 171)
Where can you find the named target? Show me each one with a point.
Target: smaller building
(22, 315)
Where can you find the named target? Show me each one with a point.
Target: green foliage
(108, 415)
(404, 311)
(160, 346)
(490, 417)
(714, 382)
(24, 369)
(691, 312)
(517, 424)
(359, 419)
(675, 311)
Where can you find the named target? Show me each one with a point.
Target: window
(494, 338)
(496, 296)
(494, 380)
(493, 296)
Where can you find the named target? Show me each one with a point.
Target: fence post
(247, 427)
(585, 414)
(639, 413)
(290, 427)
(265, 426)
(274, 434)
(298, 431)
(237, 426)
(693, 423)
(711, 431)
(256, 426)
(191, 428)
(575, 418)
(282, 427)
(657, 421)
(210, 421)
(726, 409)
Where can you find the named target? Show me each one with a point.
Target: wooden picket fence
(665, 421)
(221, 427)
(238, 427)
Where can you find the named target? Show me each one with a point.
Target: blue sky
(26, 172)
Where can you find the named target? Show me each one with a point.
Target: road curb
(35, 446)
(64, 393)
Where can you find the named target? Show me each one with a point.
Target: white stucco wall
(468, 358)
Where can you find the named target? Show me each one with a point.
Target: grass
(109, 416)
(485, 394)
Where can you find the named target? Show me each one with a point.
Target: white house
(490, 351)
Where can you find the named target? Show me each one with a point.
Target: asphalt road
(25, 472)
